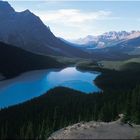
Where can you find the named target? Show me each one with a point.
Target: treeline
(60, 107)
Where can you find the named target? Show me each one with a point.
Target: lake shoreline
(34, 83)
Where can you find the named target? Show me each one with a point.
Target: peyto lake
(35, 83)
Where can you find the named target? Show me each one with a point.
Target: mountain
(27, 31)
(107, 39)
(5, 8)
(130, 46)
(125, 49)
(14, 60)
(112, 45)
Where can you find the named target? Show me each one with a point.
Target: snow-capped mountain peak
(134, 34)
(107, 38)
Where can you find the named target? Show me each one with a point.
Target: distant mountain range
(130, 46)
(106, 40)
(111, 45)
(27, 31)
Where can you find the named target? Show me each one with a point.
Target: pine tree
(29, 134)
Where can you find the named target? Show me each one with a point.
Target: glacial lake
(35, 83)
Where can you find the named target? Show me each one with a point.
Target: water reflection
(35, 83)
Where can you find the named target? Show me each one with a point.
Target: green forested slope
(14, 61)
(61, 106)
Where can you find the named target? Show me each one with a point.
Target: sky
(76, 19)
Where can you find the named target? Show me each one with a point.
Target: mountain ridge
(26, 30)
(101, 41)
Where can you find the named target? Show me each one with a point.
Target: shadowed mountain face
(5, 8)
(14, 61)
(27, 31)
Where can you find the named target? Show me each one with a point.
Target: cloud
(72, 17)
(73, 23)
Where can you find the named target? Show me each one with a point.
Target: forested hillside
(61, 106)
(14, 61)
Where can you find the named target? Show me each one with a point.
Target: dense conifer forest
(33, 45)
(61, 106)
(14, 61)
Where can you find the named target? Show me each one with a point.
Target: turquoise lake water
(35, 83)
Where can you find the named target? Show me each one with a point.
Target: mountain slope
(14, 61)
(126, 47)
(107, 39)
(27, 31)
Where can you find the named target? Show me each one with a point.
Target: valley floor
(98, 130)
